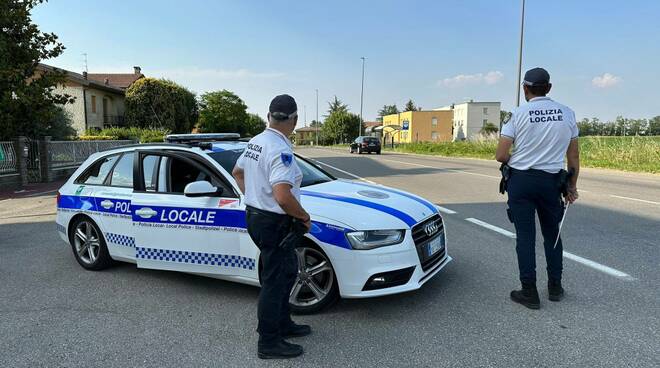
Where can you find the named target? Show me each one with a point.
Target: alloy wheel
(315, 278)
(86, 242)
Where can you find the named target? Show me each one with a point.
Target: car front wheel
(316, 285)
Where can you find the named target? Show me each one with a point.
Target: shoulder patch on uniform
(287, 158)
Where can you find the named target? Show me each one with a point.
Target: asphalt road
(53, 313)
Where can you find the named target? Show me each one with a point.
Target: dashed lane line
(445, 210)
(634, 199)
(573, 257)
(494, 228)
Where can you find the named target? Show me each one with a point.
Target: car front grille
(422, 239)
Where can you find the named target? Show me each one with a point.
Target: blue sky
(603, 56)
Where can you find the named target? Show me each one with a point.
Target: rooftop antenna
(85, 61)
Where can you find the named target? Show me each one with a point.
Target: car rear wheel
(88, 245)
(359, 151)
(316, 285)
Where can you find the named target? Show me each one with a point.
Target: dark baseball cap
(283, 107)
(537, 77)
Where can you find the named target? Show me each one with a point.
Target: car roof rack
(194, 139)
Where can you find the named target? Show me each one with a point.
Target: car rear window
(371, 140)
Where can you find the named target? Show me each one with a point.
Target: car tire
(88, 244)
(359, 151)
(378, 152)
(307, 300)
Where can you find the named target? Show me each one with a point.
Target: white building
(471, 116)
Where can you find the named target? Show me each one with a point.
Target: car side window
(122, 174)
(98, 172)
(150, 172)
(171, 175)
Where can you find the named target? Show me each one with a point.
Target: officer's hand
(572, 194)
(308, 224)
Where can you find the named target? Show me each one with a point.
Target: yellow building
(418, 126)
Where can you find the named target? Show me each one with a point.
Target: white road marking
(587, 262)
(344, 172)
(491, 227)
(445, 210)
(634, 199)
(439, 168)
(420, 165)
(597, 266)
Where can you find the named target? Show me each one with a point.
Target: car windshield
(311, 174)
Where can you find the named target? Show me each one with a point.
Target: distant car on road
(176, 207)
(365, 144)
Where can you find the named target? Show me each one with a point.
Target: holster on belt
(506, 174)
(564, 179)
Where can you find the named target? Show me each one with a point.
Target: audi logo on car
(431, 228)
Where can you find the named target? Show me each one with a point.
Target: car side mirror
(201, 188)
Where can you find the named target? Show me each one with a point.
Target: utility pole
(361, 97)
(305, 113)
(520, 48)
(317, 117)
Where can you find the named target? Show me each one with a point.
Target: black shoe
(281, 350)
(296, 331)
(555, 291)
(528, 296)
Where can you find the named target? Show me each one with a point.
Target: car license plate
(435, 245)
(372, 145)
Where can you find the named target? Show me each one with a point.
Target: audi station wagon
(175, 206)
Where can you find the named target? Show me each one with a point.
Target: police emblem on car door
(178, 222)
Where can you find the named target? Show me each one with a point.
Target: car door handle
(146, 212)
(107, 204)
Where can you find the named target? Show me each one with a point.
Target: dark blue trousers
(280, 268)
(536, 192)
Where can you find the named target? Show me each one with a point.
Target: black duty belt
(275, 215)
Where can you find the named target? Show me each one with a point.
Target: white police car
(176, 207)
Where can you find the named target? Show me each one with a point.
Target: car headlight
(375, 238)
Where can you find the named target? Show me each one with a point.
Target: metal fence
(67, 154)
(8, 161)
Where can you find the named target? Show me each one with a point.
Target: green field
(640, 154)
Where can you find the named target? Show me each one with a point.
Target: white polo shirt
(541, 131)
(268, 160)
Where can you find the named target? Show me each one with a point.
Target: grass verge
(636, 154)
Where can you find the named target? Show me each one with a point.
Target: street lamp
(317, 117)
(361, 97)
(522, 27)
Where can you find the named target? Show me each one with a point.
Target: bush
(142, 135)
(88, 137)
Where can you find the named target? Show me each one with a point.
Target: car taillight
(57, 199)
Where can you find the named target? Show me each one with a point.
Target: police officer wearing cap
(270, 178)
(542, 132)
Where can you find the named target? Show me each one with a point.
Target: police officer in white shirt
(542, 132)
(270, 178)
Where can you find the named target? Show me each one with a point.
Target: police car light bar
(208, 137)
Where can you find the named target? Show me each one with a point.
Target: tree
(255, 124)
(315, 123)
(388, 110)
(222, 112)
(654, 126)
(410, 106)
(336, 105)
(340, 127)
(59, 126)
(27, 92)
(161, 103)
(489, 128)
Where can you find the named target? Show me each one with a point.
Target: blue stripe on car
(329, 234)
(428, 204)
(376, 206)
